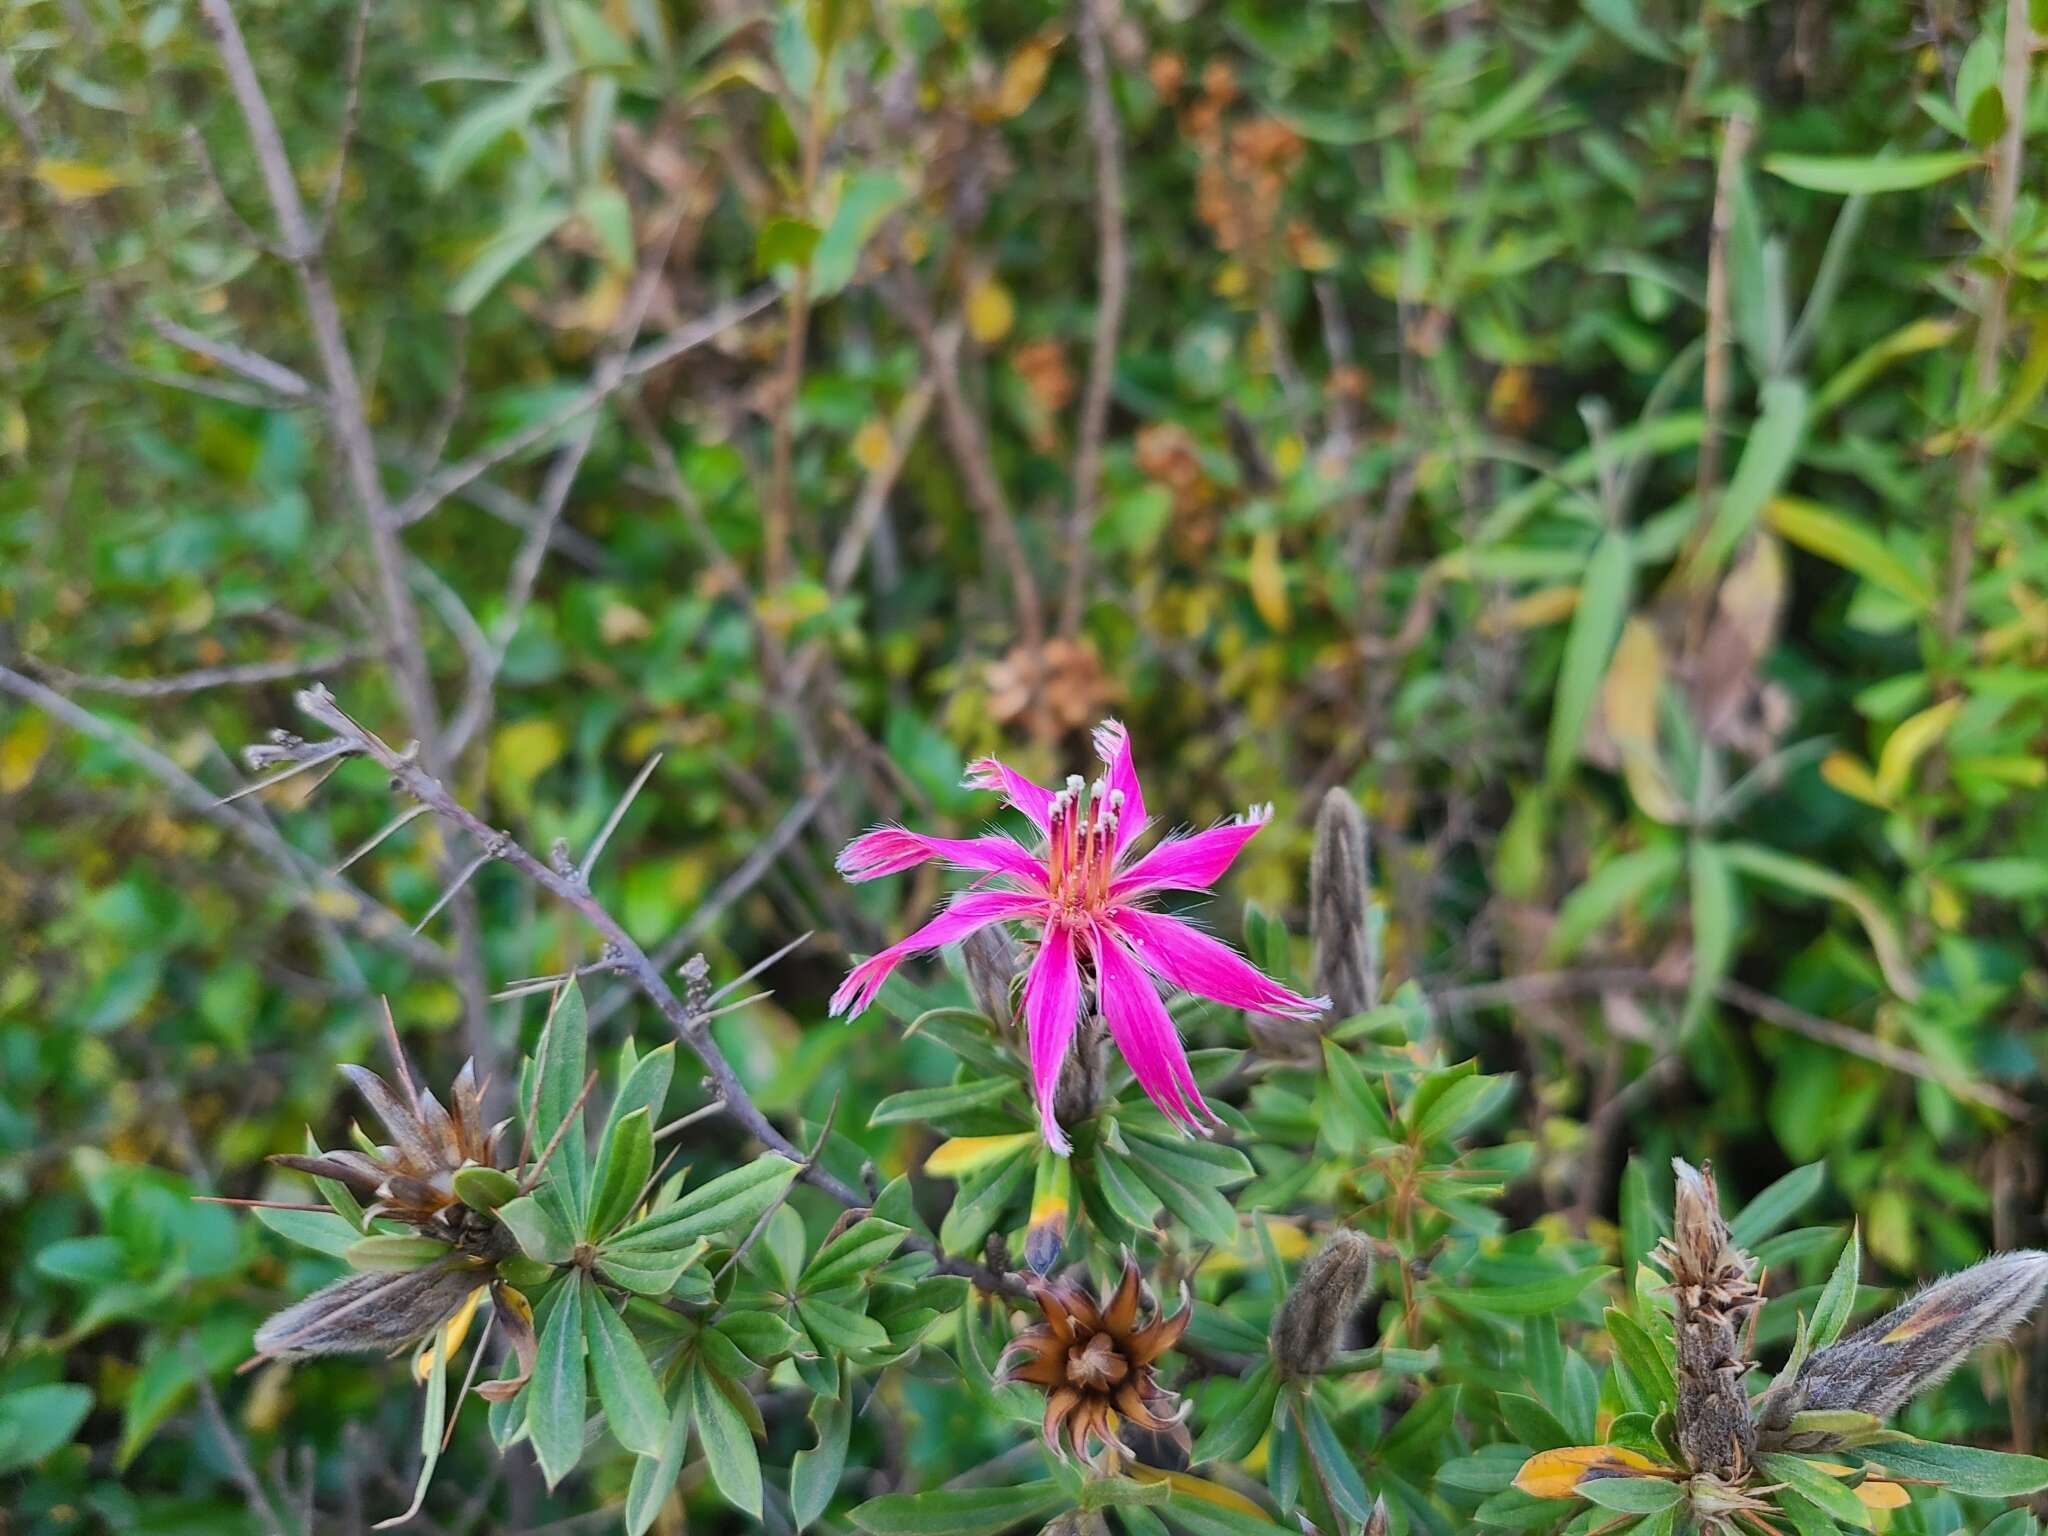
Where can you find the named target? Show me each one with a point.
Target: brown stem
(1111, 278)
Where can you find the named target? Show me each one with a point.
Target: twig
(547, 1153)
(611, 822)
(454, 888)
(606, 382)
(684, 1122)
(967, 437)
(625, 955)
(1995, 287)
(240, 675)
(403, 818)
(350, 106)
(1111, 277)
(311, 886)
(232, 1449)
(286, 383)
(1714, 385)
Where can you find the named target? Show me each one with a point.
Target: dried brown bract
(1095, 1362)
(1717, 1296)
(1311, 1321)
(412, 1180)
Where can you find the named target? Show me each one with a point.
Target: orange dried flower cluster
(1095, 1362)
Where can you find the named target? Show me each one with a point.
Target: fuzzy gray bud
(1311, 1321)
(990, 960)
(1339, 900)
(1881, 1367)
(1713, 1284)
(373, 1312)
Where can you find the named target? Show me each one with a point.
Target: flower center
(1097, 1366)
(1082, 851)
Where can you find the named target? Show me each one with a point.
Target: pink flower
(1082, 892)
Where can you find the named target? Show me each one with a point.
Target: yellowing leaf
(1628, 699)
(76, 181)
(1534, 610)
(964, 1154)
(1557, 1474)
(990, 311)
(871, 444)
(1023, 77)
(622, 623)
(21, 749)
(1853, 778)
(1944, 906)
(520, 753)
(447, 1338)
(1909, 743)
(1842, 540)
(1197, 1488)
(1268, 580)
(1881, 1495)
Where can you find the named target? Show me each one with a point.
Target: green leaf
(982, 1198)
(1978, 1474)
(1834, 1497)
(624, 1162)
(1811, 879)
(1837, 1303)
(321, 1231)
(1852, 174)
(1713, 930)
(653, 1477)
(724, 1205)
(1242, 1420)
(1532, 1423)
(1632, 1495)
(839, 1327)
(625, 1383)
(851, 1254)
(516, 239)
(785, 243)
(484, 1189)
(1596, 625)
(958, 1511)
(1776, 1205)
(815, 1472)
(728, 1445)
(34, 1421)
(395, 1252)
(866, 199)
(534, 1227)
(560, 1058)
(1768, 456)
(1622, 884)
(557, 1396)
(1535, 1296)
(1643, 1360)
(920, 1105)
(484, 124)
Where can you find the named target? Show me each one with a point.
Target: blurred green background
(1602, 438)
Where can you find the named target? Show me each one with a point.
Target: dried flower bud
(991, 963)
(1079, 1088)
(1338, 903)
(371, 1312)
(1077, 1522)
(1378, 1522)
(1310, 1323)
(1717, 1296)
(1881, 1367)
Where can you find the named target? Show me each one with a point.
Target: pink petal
(1113, 746)
(1052, 1002)
(891, 850)
(1191, 863)
(999, 778)
(1144, 1032)
(974, 909)
(1181, 955)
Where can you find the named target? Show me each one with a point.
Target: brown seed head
(1095, 1360)
(1713, 1284)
